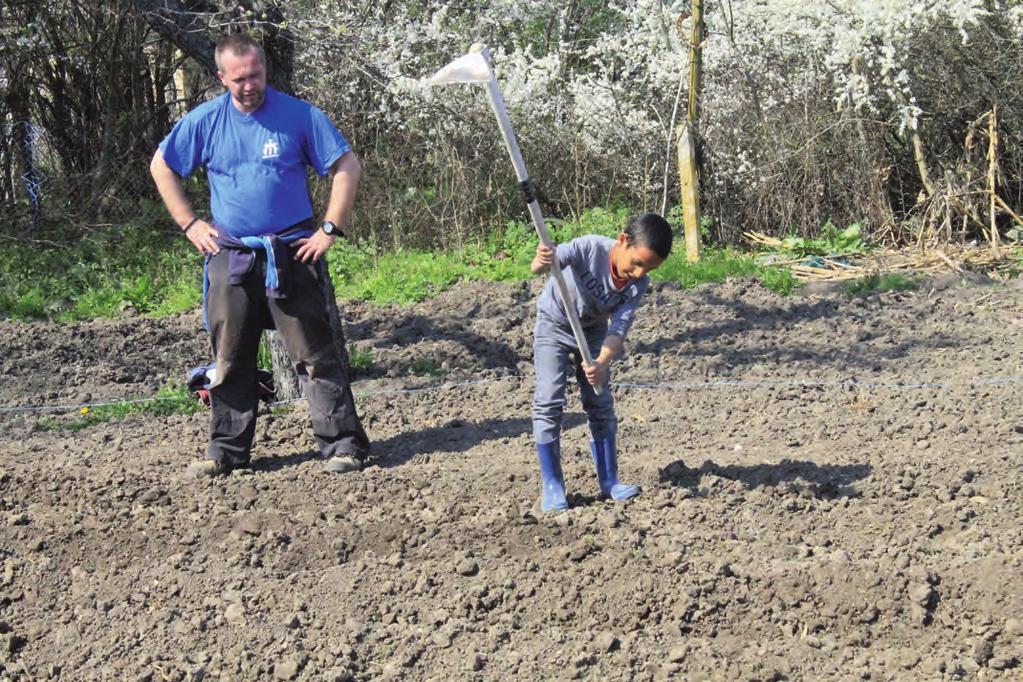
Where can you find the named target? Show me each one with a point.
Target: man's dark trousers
(237, 315)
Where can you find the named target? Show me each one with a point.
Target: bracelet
(193, 221)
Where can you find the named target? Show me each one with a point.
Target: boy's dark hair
(237, 44)
(652, 231)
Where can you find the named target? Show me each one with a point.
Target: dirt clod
(467, 567)
(791, 524)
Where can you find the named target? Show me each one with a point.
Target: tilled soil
(832, 489)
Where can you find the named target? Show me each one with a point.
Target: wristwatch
(330, 228)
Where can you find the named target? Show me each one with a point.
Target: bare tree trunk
(182, 27)
(186, 29)
(330, 300)
(285, 379)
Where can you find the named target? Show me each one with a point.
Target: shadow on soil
(411, 329)
(751, 320)
(456, 436)
(276, 463)
(810, 479)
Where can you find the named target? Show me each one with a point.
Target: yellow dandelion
(84, 410)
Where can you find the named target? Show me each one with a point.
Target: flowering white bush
(805, 102)
(807, 112)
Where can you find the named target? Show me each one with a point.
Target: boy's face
(634, 261)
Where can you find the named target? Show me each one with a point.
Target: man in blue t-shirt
(264, 251)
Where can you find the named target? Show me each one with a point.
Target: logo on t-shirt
(270, 149)
(600, 292)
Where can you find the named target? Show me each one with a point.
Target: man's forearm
(344, 185)
(171, 191)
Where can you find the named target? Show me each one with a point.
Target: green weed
(876, 282)
(263, 357)
(777, 279)
(171, 399)
(832, 241)
(361, 360)
(676, 216)
(1016, 269)
(103, 274)
(427, 367)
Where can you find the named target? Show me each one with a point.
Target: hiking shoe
(208, 468)
(343, 464)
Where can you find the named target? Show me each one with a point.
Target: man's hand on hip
(312, 249)
(203, 236)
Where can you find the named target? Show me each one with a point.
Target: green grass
(361, 360)
(718, 265)
(427, 367)
(153, 270)
(876, 282)
(103, 274)
(171, 399)
(406, 276)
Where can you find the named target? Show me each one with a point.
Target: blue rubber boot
(606, 460)
(552, 488)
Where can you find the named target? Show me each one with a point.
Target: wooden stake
(689, 178)
(992, 172)
(921, 160)
(688, 168)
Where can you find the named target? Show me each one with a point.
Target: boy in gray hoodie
(607, 278)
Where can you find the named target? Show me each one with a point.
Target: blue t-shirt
(256, 163)
(585, 263)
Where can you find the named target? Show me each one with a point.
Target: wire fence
(40, 186)
(717, 384)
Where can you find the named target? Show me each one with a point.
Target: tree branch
(172, 19)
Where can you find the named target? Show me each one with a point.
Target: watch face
(328, 227)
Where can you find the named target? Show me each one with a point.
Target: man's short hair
(238, 44)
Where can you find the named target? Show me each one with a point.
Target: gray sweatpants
(555, 353)
(237, 315)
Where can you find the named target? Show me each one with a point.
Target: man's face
(245, 77)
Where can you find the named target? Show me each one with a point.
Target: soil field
(832, 489)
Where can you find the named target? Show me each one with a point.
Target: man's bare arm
(345, 183)
(199, 232)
